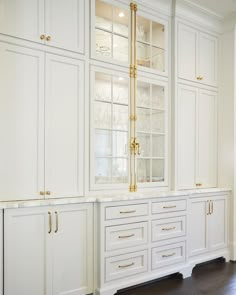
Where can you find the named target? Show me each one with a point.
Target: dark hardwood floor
(213, 278)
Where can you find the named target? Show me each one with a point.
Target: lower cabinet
(48, 250)
(1, 252)
(207, 224)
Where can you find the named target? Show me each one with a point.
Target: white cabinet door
(187, 53)
(25, 250)
(64, 125)
(208, 58)
(21, 122)
(218, 223)
(64, 23)
(73, 250)
(22, 18)
(206, 139)
(186, 131)
(198, 226)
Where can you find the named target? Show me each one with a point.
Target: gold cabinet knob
(48, 38)
(41, 193)
(198, 184)
(42, 37)
(48, 193)
(201, 78)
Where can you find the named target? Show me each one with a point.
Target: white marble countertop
(111, 197)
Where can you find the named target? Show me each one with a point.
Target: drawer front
(128, 235)
(168, 228)
(167, 255)
(116, 212)
(169, 206)
(121, 266)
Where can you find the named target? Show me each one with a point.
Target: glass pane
(103, 43)
(158, 97)
(119, 143)
(121, 21)
(103, 170)
(102, 112)
(143, 122)
(120, 48)
(143, 29)
(103, 15)
(158, 121)
(143, 94)
(158, 146)
(119, 171)
(102, 87)
(143, 170)
(145, 146)
(158, 173)
(120, 117)
(158, 59)
(120, 90)
(102, 143)
(158, 35)
(143, 55)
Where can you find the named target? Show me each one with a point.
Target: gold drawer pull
(198, 184)
(169, 228)
(49, 222)
(127, 265)
(56, 213)
(126, 212)
(168, 255)
(128, 236)
(169, 207)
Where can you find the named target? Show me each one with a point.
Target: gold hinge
(133, 117)
(133, 188)
(133, 6)
(134, 146)
(133, 71)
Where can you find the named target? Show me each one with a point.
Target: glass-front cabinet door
(152, 132)
(109, 132)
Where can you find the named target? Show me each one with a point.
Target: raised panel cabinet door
(73, 250)
(218, 223)
(208, 58)
(22, 18)
(186, 136)
(187, 47)
(21, 122)
(63, 127)
(65, 24)
(206, 151)
(25, 251)
(198, 227)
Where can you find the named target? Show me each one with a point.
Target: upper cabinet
(113, 28)
(197, 56)
(54, 23)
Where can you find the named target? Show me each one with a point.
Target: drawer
(124, 211)
(167, 255)
(168, 206)
(168, 228)
(128, 235)
(122, 266)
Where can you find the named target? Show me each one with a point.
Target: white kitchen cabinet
(207, 224)
(1, 252)
(196, 146)
(49, 250)
(55, 23)
(63, 122)
(21, 122)
(41, 124)
(197, 55)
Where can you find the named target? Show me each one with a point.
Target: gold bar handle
(209, 209)
(168, 255)
(56, 213)
(127, 212)
(169, 207)
(50, 222)
(169, 228)
(128, 236)
(212, 207)
(127, 265)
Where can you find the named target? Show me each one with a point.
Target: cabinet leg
(187, 271)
